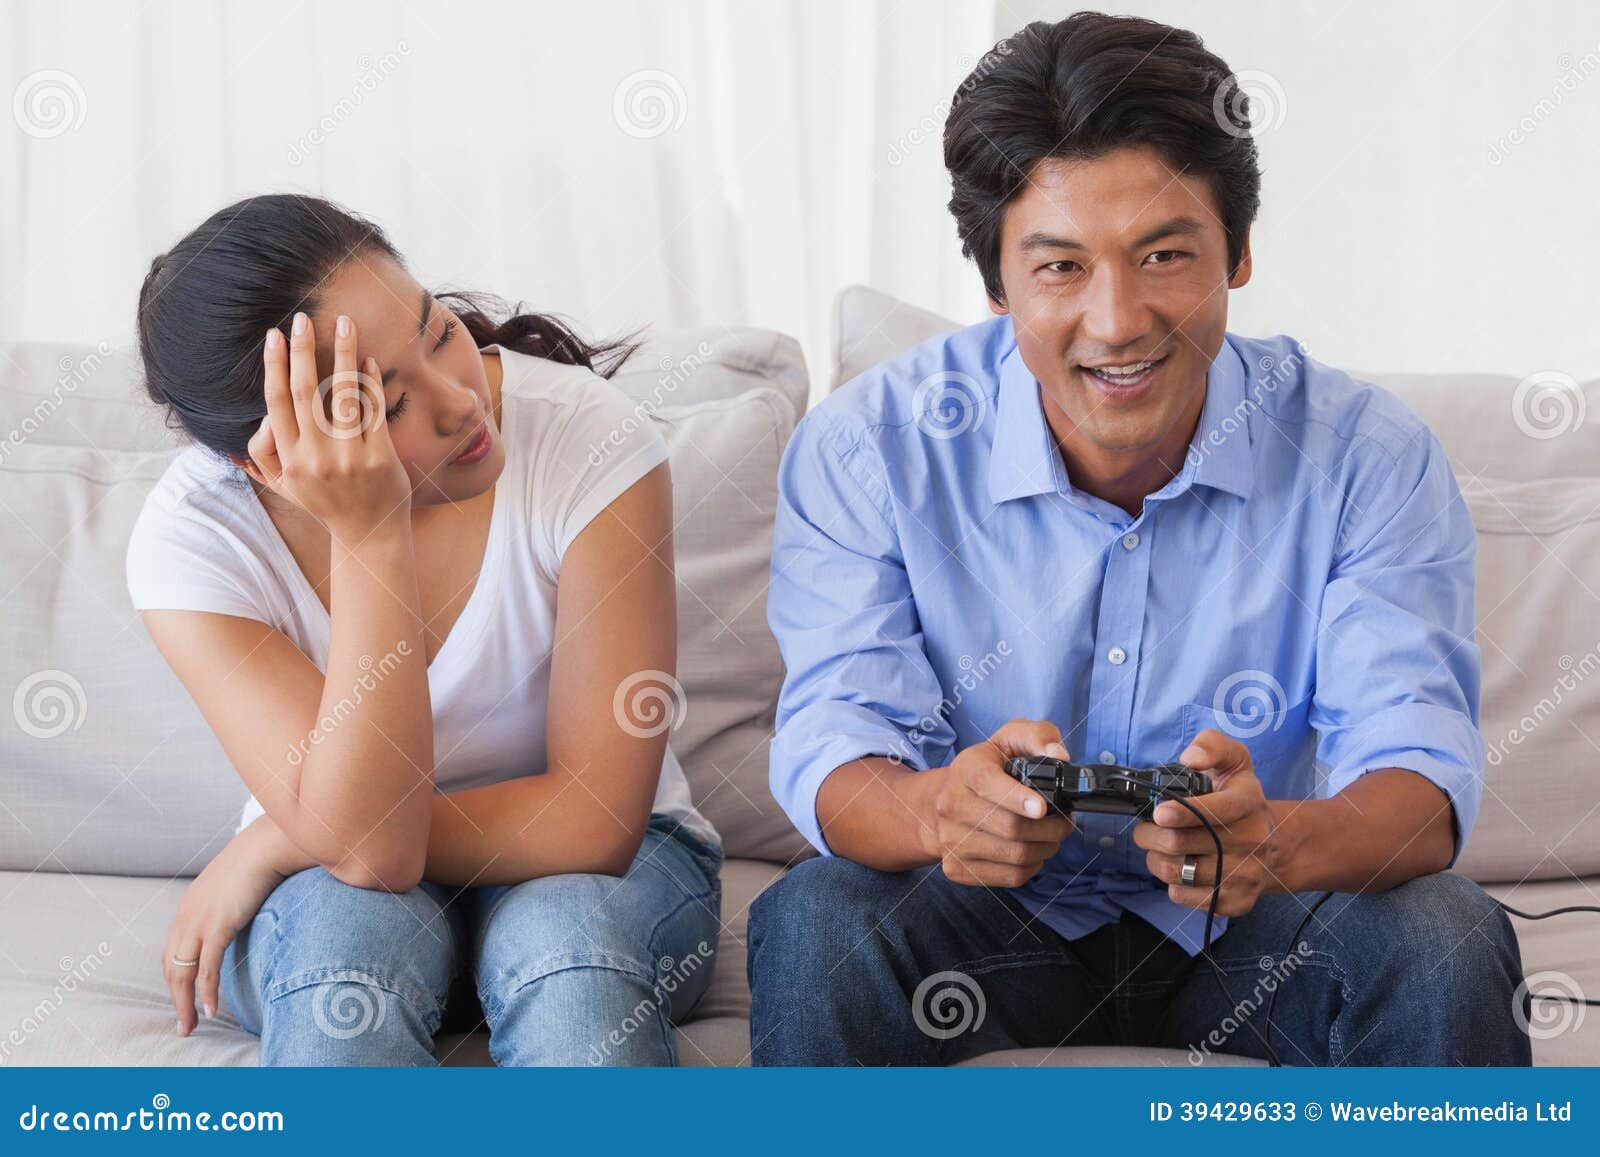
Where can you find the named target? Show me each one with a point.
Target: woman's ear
(249, 467)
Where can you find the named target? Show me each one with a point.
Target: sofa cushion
(1539, 633)
(81, 983)
(105, 764)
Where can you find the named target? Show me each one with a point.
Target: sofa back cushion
(1527, 453)
(106, 765)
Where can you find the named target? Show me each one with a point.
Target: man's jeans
(849, 965)
(567, 970)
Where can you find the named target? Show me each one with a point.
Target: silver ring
(1190, 864)
(186, 963)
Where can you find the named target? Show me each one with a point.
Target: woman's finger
(376, 427)
(280, 404)
(208, 979)
(345, 405)
(303, 375)
(263, 451)
(180, 978)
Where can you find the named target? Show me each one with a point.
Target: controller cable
(1265, 1036)
(1211, 914)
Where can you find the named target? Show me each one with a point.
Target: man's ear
(998, 305)
(1241, 274)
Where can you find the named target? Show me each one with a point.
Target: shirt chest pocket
(1280, 738)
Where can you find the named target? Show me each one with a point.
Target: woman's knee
(354, 975)
(573, 963)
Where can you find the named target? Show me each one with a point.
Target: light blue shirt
(1305, 584)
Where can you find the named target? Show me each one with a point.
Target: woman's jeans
(853, 966)
(567, 970)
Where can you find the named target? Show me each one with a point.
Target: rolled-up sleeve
(858, 682)
(1397, 670)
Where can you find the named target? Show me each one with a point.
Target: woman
(419, 609)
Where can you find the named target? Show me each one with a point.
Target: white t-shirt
(573, 444)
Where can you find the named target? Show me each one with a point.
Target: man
(1139, 539)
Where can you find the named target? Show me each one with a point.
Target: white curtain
(624, 163)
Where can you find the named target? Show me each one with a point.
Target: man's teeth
(1121, 371)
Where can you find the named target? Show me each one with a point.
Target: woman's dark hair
(206, 304)
(1078, 89)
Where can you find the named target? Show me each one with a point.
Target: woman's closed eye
(449, 331)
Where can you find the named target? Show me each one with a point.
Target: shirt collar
(1024, 461)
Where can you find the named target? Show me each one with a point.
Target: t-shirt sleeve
(598, 444)
(176, 561)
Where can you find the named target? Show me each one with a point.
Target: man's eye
(1062, 267)
(1165, 256)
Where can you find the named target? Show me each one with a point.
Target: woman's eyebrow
(425, 309)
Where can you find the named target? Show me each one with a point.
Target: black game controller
(1105, 787)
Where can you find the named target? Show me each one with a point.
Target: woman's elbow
(400, 876)
(614, 857)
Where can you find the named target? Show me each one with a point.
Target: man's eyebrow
(425, 309)
(1176, 227)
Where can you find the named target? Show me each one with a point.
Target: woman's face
(435, 386)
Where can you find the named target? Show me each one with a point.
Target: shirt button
(1130, 540)
(1117, 656)
(1108, 841)
(1107, 757)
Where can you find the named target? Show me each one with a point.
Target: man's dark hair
(1078, 89)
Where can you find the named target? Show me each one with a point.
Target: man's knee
(824, 895)
(1443, 930)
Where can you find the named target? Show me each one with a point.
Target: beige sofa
(113, 792)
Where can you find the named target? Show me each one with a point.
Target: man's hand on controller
(1237, 808)
(986, 828)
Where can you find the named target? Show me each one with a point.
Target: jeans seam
(428, 1008)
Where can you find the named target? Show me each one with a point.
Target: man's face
(1117, 263)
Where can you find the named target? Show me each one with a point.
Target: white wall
(799, 152)
(1405, 226)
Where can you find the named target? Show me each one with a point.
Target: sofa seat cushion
(81, 984)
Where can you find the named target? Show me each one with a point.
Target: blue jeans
(566, 970)
(849, 965)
